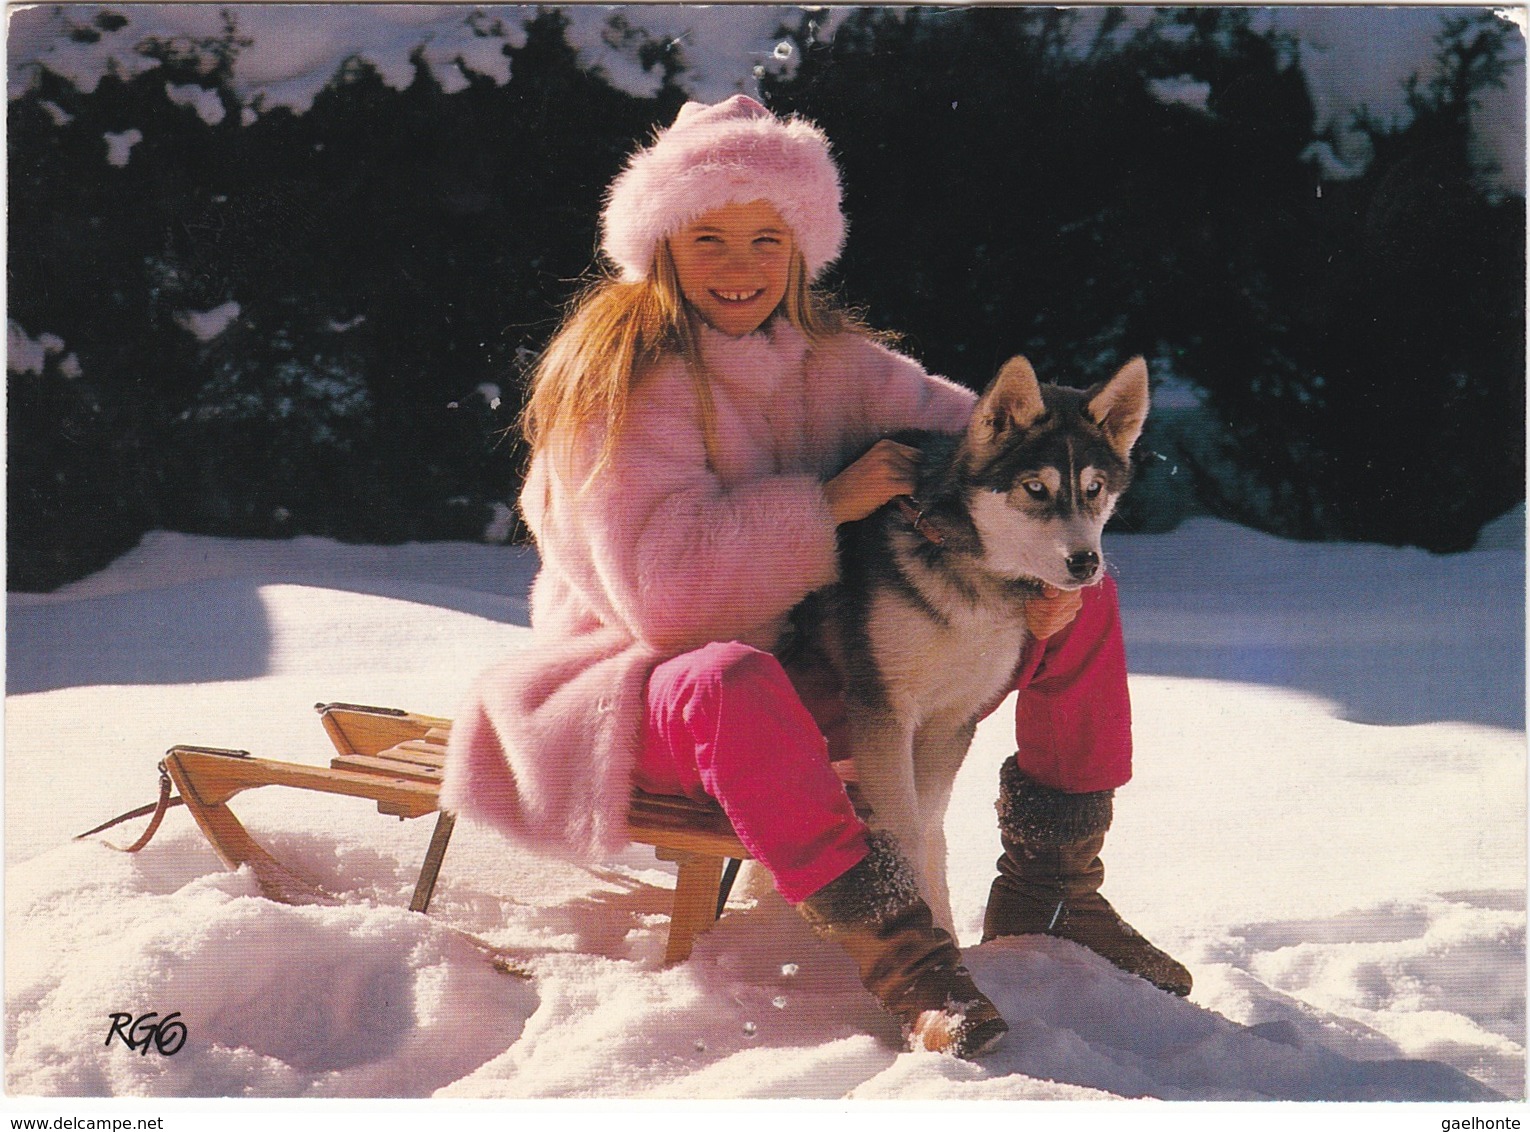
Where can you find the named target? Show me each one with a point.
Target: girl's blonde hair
(615, 330)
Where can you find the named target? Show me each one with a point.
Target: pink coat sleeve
(890, 392)
(683, 559)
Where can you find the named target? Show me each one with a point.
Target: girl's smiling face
(733, 264)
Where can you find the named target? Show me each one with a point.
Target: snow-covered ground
(1327, 823)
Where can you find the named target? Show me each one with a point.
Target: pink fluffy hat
(731, 153)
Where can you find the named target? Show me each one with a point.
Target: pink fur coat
(662, 553)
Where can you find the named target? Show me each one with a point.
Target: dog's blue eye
(1035, 489)
(1093, 490)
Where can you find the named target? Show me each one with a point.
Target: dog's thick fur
(927, 634)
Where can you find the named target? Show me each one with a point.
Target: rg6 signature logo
(149, 1031)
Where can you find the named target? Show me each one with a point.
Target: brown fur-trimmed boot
(912, 967)
(1050, 875)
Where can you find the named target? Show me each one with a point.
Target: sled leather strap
(915, 515)
(157, 809)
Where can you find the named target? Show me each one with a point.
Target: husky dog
(927, 623)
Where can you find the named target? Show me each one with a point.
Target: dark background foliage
(397, 256)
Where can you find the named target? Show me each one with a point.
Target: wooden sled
(394, 758)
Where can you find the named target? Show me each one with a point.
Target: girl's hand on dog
(885, 472)
(1053, 611)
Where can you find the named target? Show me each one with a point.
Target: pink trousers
(729, 722)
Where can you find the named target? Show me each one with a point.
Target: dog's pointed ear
(1120, 406)
(1012, 402)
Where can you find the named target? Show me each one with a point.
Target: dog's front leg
(939, 749)
(882, 747)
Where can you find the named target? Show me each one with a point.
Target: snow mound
(1348, 892)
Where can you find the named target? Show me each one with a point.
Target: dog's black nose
(1083, 565)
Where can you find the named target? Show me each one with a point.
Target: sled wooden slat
(356, 729)
(425, 752)
(382, 764)
(395, 759)
(217, 777)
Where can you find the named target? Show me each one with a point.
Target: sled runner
(394, 758)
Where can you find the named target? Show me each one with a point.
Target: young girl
(688, 427)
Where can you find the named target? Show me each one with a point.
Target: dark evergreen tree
(395, 256)
(1018, 186)
(92, 261)
(379, 268)
(1384, 399)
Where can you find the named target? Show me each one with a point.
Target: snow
(1354, 56)
(1182, 90)
(501, 525)
(24, 354)
(119, 146)
(295, 50)
(60, 116)
(1327, 824)
(205, 102)
(207, 325)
